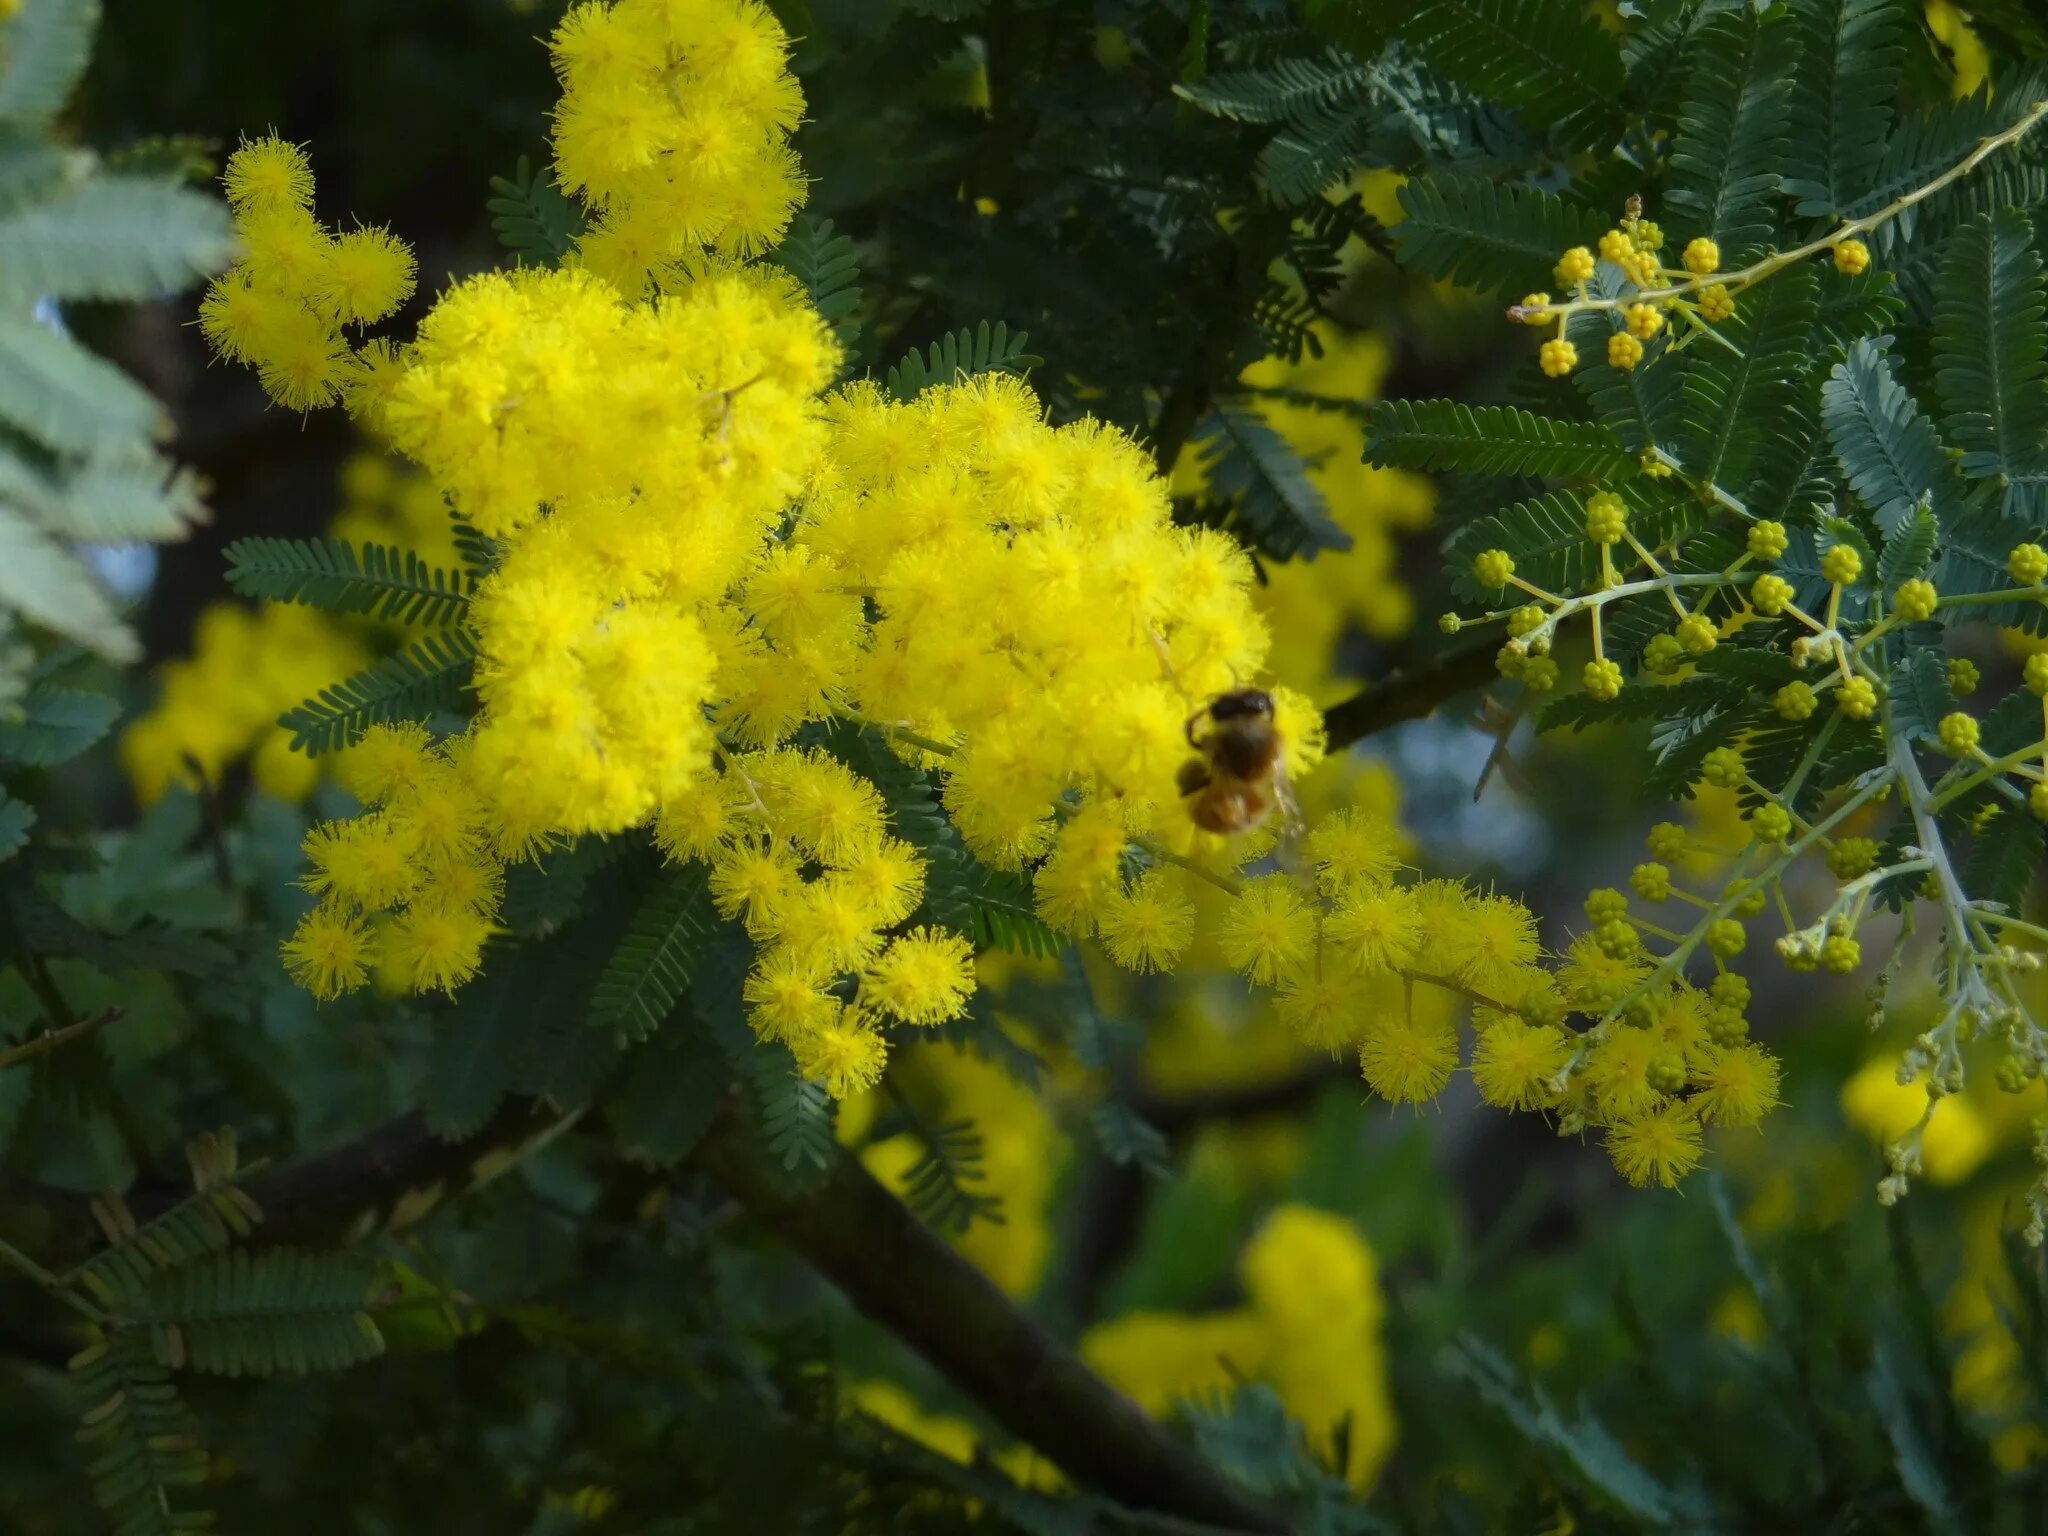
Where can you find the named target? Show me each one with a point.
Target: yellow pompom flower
(1323, 1009)
(1661, 1147)
(1737, 1086)
(1716, 303)
(436, 949)
(1268, 930)
(365, 861)
(923, 977)
(1701, 256)
(329, 952)
(1375, 928)
(1851, 256)
(1489, 942)
(1513, 1063)
(265, 174)
(1618, 1071)
(368, 273)
(1148, 926)
(845, 1055)
(784, 996)
(1407, 1060)
(1350, 845)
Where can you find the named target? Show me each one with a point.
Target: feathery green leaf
(44, 46)
(1730, 142)
(958, 355)
(428, 675)
(650, 969)
(114, 237)
(376, 579)
(1490, 440)
(1991, 357)
(1487, 236)
(1851, 53)
(1548, 59)
(1887, 449)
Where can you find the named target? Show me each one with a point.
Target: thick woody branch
(896, 1270)
(1410, 694)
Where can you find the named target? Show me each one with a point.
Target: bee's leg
(1193, 776)
(1189, 729)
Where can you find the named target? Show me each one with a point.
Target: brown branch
(50, 1039)
(1410, 695)
(902, 1275)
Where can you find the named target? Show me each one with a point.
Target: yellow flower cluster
(673, 128)
(1347, 955)
(286, 306)
(221, 703)
(1310, 1328)
(700, 555)
(411, 886)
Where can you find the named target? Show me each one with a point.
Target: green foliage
(1490, 440)
(958, 355)
(531, 217)
(1991, 357)
(1759, 377)
(56, 725)
(1489, 237)
(377, 579)
(428, 675)
(1547, 59)
(1730, 142)
(44, 46)
(140, 1441)
(1851, 56)
(650, 970)
(112, 237)
(826, 269)
(938, 1184)
(1258, 487)
(1886, 447)
(796, 1116)
(260, 1314)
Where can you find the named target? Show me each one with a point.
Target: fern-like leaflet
(428, 675)
(958, 355)
(375, 579)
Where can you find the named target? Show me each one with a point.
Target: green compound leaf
(1490, 440)
(1991, 357)
(1548, 59)
(1886, 448)
(1259, 486)
(113, 237)
(1493, 238)
(530, 215)
(428, 675)
(139, 1441)
(958, 355)
(44, 46)
(823, 264)
(797, 1118)
(1730, 142)
(649, 971)
(375, 579)
(56, 725)
(277, 1312)
(1731, 400)
(1908, 549)
(1919, 695)
(1851, 54)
